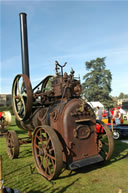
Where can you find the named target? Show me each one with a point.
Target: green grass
(99, 178)
(6, 108)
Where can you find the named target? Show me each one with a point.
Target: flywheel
(22, 97)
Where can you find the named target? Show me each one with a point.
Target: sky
(67, 31)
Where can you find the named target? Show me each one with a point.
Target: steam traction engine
(61, 125)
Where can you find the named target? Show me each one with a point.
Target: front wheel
(47, 151)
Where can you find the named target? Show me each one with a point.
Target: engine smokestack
(24, 43)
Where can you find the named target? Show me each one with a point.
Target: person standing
(117, 116)
(98, 113)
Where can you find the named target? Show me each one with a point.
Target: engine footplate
(84, 162)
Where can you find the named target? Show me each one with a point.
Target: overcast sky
(67, 31)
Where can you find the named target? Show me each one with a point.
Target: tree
(122, 96)
(97, 82)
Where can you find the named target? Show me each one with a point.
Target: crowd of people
(115, 115)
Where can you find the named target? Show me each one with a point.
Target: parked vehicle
(119, 131)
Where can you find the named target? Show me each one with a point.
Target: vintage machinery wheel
(22, 97)
(12, 145)
(105, 141)
(47, 151)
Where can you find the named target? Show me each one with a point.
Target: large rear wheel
(105, 141)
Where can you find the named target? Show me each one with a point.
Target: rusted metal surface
(78, 135)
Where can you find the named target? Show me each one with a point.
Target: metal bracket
(56, 68)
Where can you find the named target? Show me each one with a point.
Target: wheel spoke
(23, 104)
(51, 150)
(101, 136)
(51, 157)
(18, 101)
(22, 86)
(105, 152)
(41, 135)
(47, 143)
(37, 147)
(49, 170)
(40, 139)
(18, 89)
(105, 143)
(53, 164)
(42, 159)
(46, 166)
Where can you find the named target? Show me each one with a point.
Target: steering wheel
(22, 97)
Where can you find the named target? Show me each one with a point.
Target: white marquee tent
(96, 104)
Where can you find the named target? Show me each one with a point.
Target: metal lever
(56, 68)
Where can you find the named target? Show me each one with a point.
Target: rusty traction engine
(60, 124)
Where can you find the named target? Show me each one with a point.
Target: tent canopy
(96, 104)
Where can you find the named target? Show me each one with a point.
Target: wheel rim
(105, 142)
(47, 152)
(116, 135)
(12, 145)
(22, 97)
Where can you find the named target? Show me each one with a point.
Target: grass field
(99, 178)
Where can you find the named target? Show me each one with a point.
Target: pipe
(24, 43)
